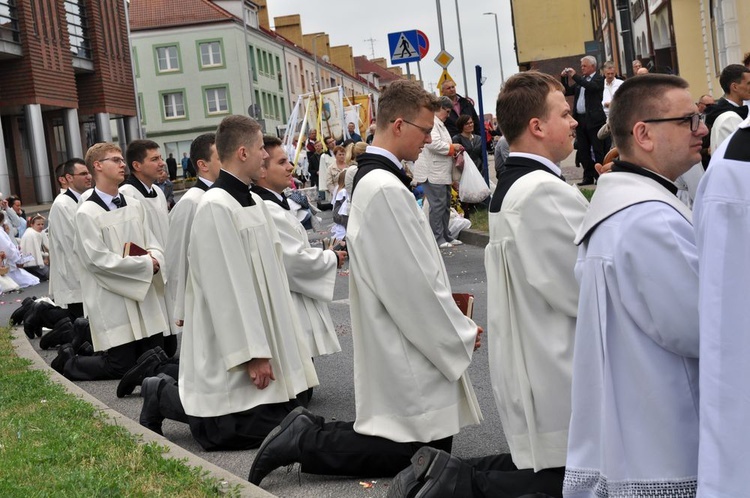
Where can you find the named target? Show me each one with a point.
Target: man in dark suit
(735, 81)
(172, 167)
(588, 89)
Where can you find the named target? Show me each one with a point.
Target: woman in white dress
(12, 260)
(35, 242)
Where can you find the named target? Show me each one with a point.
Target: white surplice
(722, 229)
(32, 243)
(532, 300)
(64, 268)
(412, 345)
(634, 426)
(158, 215)
(176, 252)
(21, 277)
(238, 308)
(312, 275)
(120, 295)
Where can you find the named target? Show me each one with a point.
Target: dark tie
(117, 201)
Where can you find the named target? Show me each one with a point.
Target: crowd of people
(599, 314)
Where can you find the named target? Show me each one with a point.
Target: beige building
(551, 35)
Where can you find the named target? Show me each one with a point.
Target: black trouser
(113, 363)
(40, 272)
(496, 476)
(336, 449)
(235, 431)
(75, 310)
(587, 141)
(170, 345)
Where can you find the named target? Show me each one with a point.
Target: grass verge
(55, 444)
(588, 193)
(480, 220)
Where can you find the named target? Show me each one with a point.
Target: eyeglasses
(695, 120)
(82, 173)
(117, 160)
(424, 130)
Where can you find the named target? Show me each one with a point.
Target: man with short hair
(611, 84)
(410, 368)
(242, 360)
(172, 167)
(588, 90)
(461, 106)
(634, 424)
(351, 128)
(311, 271)
(118, 288)
(185, 162)
(705, 102)
(64, 278)
(735, 81)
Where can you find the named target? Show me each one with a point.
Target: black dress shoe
(440, 472)
(280, 447)
(86, 349)
(16, 318)
(405, 484)
(144, 367)
(151, 418)
(61, 333)
(586, 181)
(64, 354)
(81, 332)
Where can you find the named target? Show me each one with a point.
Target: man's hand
(458, 148)
(179, 323)
(341, 257)
(260, 371)
(478, 340)
(156, 265)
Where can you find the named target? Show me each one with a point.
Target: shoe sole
(300, 410)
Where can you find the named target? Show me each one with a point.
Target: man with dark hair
(735, 81)
(145, 163)
(635, 370)
(588, 92)
(243, 359)
(64, 278)
(533, 295)
(311, 271)
(203, 154)
(172, 167)
(410, 368)
(461, 106)
(119, 291)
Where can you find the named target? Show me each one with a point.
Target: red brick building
(65, 71)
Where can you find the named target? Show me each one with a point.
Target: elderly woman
(332, 175)
(435, 170)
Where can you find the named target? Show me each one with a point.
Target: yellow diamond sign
(443, 59)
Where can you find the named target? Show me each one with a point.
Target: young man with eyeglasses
(64, 277)
(412, 345)
(634, 422)
(118, 290)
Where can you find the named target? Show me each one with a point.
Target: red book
(133, 249)
(465, 303)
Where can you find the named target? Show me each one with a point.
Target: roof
(151, 14)
(365, 66)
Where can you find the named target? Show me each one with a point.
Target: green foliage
(588, 193)
(54, 444)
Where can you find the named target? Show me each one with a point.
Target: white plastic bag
(472, 188)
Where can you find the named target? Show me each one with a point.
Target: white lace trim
(581, 480)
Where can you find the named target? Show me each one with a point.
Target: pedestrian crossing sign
(404, 47)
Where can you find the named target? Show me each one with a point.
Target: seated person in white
(36, 244)
(13, 259)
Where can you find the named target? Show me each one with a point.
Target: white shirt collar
(106, 198)
(278, 196)
(549, 164)
(206, 181)
(371, 149)
(76, 194)
(148, 189)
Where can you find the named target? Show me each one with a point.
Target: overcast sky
(349, 22)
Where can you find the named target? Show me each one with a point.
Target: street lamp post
(499, 52)
(315, 58)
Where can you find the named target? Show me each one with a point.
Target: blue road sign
(404, 46)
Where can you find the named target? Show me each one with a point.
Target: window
(253, 65)
(9, 21)
(75, 15)
(142, 108)
(174, 105)
(283, 108)
(167, 58)
(210, 53)
(259, 108)
(276, 112)
(216, 100)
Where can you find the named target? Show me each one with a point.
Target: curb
(474, 237)
(229, 481)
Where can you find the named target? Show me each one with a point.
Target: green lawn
(54, 444)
